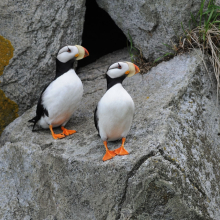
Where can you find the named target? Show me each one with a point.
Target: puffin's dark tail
(34, 120)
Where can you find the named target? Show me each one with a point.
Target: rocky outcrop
(36, 29)
(151, 24)
(172, 171)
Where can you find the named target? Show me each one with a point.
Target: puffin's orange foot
(58, 136)
(121, 151)
(67, 132)
(109, 155)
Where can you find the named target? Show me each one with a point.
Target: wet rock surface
(172, 171)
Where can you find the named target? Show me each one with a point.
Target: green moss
(8, 108)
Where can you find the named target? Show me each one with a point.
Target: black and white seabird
(62, 96)
(114, 113)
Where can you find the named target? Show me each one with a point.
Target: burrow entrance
(100, 35)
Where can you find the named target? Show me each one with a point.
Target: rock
(8, 108)
(151, 24)
(36, 29)
(172, 171)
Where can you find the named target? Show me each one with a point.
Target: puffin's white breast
(61, 98)
(115, 113)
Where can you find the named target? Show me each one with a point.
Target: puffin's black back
(96, 118)
(41, 111)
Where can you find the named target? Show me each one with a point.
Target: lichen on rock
(6, 53)
(8, 111)
(8, 108)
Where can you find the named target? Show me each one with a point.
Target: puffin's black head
(117, 72)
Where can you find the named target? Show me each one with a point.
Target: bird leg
(121, 150)
(55, 136)
(109, 154)
(67, 132)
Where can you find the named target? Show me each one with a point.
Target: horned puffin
(61, 97)
(114, 113)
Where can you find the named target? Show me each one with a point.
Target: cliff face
(172, 171)
(37, 29)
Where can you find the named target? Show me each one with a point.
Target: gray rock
(151, 24)
(37, 29)
(172, 171)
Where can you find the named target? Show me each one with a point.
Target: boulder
(36, 30)
(172, 171)
(151, 24)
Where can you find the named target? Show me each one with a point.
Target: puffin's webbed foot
(67, 132)
(56, 136)
(109, 154)
(121, 150)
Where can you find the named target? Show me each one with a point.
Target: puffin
(114, 112)
(61, 97)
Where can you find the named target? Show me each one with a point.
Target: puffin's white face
(70, 52)
(119, 69)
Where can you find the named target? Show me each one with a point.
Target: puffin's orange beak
(137, 70)
(86, 53)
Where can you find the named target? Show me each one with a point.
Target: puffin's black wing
(96, 119)
(41, 111)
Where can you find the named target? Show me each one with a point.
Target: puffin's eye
(119, 66)
(69, 50)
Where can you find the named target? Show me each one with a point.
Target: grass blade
(193, 19)
(166, 54)
(201, 12)
(168, 46)
(183, 28)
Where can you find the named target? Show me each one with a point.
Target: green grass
(202, 33)
(131, 49)
(207, 17)
(167, 54)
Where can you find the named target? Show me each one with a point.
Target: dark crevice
(100, 35)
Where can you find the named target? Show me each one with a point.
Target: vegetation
(206, 35)
(131, 48)
(137, 57)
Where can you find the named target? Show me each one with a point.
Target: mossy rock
(6, 53)
(8, 108)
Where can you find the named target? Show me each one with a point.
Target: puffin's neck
(112, 81)
(62, 68)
